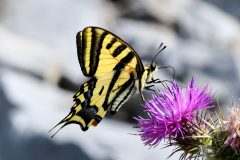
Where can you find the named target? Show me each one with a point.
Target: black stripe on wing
(126, 91)
(96, 42)
(80, 51)
(118, 50)
(110, 88)
(109, 45)
(97, 53)
(93, 53)
(124, 61)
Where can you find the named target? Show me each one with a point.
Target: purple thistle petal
(170, 112)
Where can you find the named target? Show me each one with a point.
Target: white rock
(28, 55)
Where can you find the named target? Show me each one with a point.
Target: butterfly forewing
(99, 51)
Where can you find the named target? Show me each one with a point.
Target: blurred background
(39, 69)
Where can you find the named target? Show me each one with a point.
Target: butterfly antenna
(161, 47)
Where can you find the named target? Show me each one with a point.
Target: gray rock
(27, 146)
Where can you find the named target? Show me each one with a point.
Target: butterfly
(115, 73)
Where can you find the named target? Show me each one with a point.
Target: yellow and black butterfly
(115, 71)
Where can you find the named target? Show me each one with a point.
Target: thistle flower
(171, 112)
(232, 126)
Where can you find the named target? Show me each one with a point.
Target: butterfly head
(153, 67)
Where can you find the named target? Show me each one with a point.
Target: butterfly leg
(149, 88)
(141, 94)
(154, 81)
(158, 81)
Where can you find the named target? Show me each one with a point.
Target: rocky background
(39, 70)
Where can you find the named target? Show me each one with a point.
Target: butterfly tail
(64, 120)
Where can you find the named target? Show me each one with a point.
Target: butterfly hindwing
(97, 95)
(100, 52)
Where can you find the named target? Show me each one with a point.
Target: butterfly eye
(153, 67)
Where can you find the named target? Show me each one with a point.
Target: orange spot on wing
(94, 123)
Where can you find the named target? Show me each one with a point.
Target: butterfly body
(115, 71)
